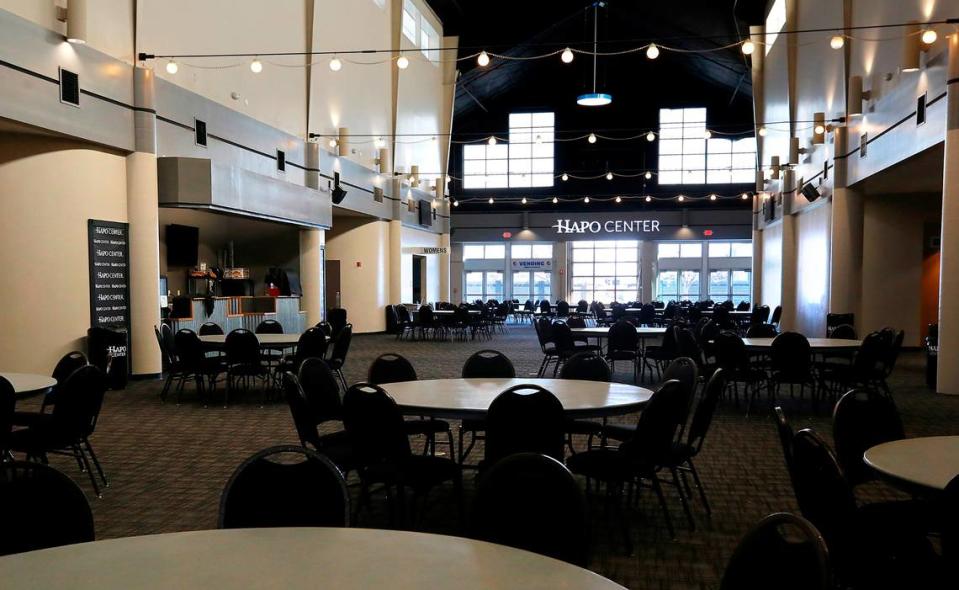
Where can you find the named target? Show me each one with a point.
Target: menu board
(109, 274)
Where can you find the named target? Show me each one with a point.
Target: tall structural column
(757, 266)
(790, 266)
(396, 245)
(948, 372)
(845, 268)
(312, 244)
(445, 266)
(143, 216)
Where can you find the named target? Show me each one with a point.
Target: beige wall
(812, 281)
(364, 289)
(109, 22)
(413, 238)
(772, 265)
(51, 187)
(892, 262)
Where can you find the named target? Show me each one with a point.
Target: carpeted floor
(168, 463)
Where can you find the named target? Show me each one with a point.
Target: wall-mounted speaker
(69, 87)
(810, 192)
(338, 193)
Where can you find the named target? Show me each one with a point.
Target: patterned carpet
(168, 464)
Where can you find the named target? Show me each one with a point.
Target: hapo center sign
(610, 226)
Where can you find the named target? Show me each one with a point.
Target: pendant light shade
(594, 98)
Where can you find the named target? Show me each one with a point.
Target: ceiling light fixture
(171, 67)
(748, 47)
(594, 98)
(402, 62)
(335, 64)
(591, 138)
(652, 52)
(567, 56)
(256, 66)
(837, 42)
(650, 137)
(482, 59)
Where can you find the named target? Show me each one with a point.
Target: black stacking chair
(8, 403)
(524, 418)
(485, 364)
(269, 327)
(311, 344)
(243, 363)
(393, 368)
(562, 309)
(307, 418)
(643, 456)
(165, 339)
(544, 331)
(657, 357)
(786, 434)
(426, 322)
(531, 501)
(681, 369)
(562, 337)
(285, 486)
(761, 331)
(834, 320)
(211, 329)
(865, 370)
(733, 358)
(337, 320)
(879, 545)
(195, 365)
(42, 508)
(782, 551)
(377, 432)
(623, 345)
(844, 331)
(545, 308)
(861, 420)
(791, 363)
(68, 428)
(585, 366)
(777, 316)
(67, 364)
(950, 529)
(404, 321)
(686, 450)
(341, 347)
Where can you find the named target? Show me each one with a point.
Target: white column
(396, 262)
(647, 271)
(445, 267)
(312, 242)
(948, 377)
(845, 269)
(790, 266)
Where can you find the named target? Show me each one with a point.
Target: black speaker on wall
(810, 192)
(338, 193)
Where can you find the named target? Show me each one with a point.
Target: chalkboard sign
(109, 274)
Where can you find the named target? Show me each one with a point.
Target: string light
(332, 143)
(762, 132)
(837, 42)
(482, 59)
(652, 52)
(712, 197)
(648, 175)
(680, 198)
(402, 62)
(171, 67)
(619, 199)
(565, 177)
(748, 47)
(649, 199)
(335, 64)
(819, 129)
(555, 200)
(708, 134)
(524, 200)
(609, 176)
(256, 66)
(745, 196)
(650, 137)
(491, 200)
(492, 140)
(567, 56)
(456, 203)
(591, 138)
(929, 36)
(586, 200)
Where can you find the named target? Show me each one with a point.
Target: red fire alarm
(707, 232)
(507, 235)
(359, 264)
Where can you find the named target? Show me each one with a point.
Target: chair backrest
(312, 344)
(403, 314)
(190, 349)
(166, 333)
(647, 314)
(761, 331)
(285, 486)
(374, 425)
(782, 551)
(786, 435)
(67, 364)
(210, 329)
(730, 351)
(837, 319)
(562, 308)
(390, 368)
(824, 495)
(658, 425)
(269, 327)
(544, 307)
(543, 330)
(524, 418)
(341, 346)
(777, 315)
(8, 404)
(528, 306)
(586, 366)
(684, 370)
(863, 419)
(576, 322)
(79, 401)
(304, 420)
(688, 346)
(742, 306)
(425, 314)
(582, 306)
(242, 348)
(705, 410)
(328, 329)
(844, 331)
(531, 501)
(950, 525)
(321, 389)
(337, 319)
(488, 364)
(562, 336)
(623, 337)
(791, 357)
(869, 357)
(42, 508)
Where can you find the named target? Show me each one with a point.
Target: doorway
(419, 278)
(333, 294)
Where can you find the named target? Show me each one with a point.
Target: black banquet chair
(285, 486)
(585, 366)
(485, 364)
(783, 551)
(532, 502)
(861, 420)
(43, 508)
(524, 418)
(243, 363)
(309, 413)
(69, 363)
(341, 348)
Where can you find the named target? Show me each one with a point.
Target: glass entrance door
(532, 285)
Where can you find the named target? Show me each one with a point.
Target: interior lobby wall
(362, 247)
(415, 238)
(812, 257)
(772, 269)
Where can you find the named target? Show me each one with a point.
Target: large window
(532, 285)
(429, 41)
(687, 157)
(730, 249)
(484, 285)
(680, 250)
(484, 252)
(729, 284)
(525, 161)
(775, 22)
(678, 285)
(411, 17)
(531, 251)
(605, 271)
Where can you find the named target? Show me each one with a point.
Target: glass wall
(532, 285)
(695, 271)
(605, 271)
(484, 285)
(507, 270)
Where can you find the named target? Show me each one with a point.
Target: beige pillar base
(143, 217)
(396, 262)
(312, 274)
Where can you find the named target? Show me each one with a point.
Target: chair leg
(93, 478)
(662, 504)
(96, 462)
(682, 499)
(699, 486)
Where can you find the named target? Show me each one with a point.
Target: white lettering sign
(617, 226)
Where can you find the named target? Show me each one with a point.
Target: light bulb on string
(619, 199)
(171, 67)
(648, 175)
(591, 138)
(402, 62)
(929, 36)
(713, 197)
(567, 56)
(565, 177)
(649, 199)
(744, 197)
(491, 200)
(762, 131)
(650, 137)
(748, 47)
(482, 59)
(256, 66)
(708, 134)
(555, 200)
(819, 129)
(492, 140)
(652, 52)
(837, 41)
(332, 143)
(523, 201)
(586, 200)
(680, 198)
(456, 203)
(335, 64)
(609, 176)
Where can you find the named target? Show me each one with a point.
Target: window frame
(686, 157)
(520, 162)
(620, 294)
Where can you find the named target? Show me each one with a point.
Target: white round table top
(266, 340)
(642, 332)
(814, 343)
(452, 311)
(289, 558)
(927, 462)
(27, 384)
(459, 398)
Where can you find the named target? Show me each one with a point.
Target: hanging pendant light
(594, 99)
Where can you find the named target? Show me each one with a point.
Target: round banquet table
(470, 398)
(266, 340)
(604, 332)
(917, 464)
(816, 344)
(28, 384)
(285, 558)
